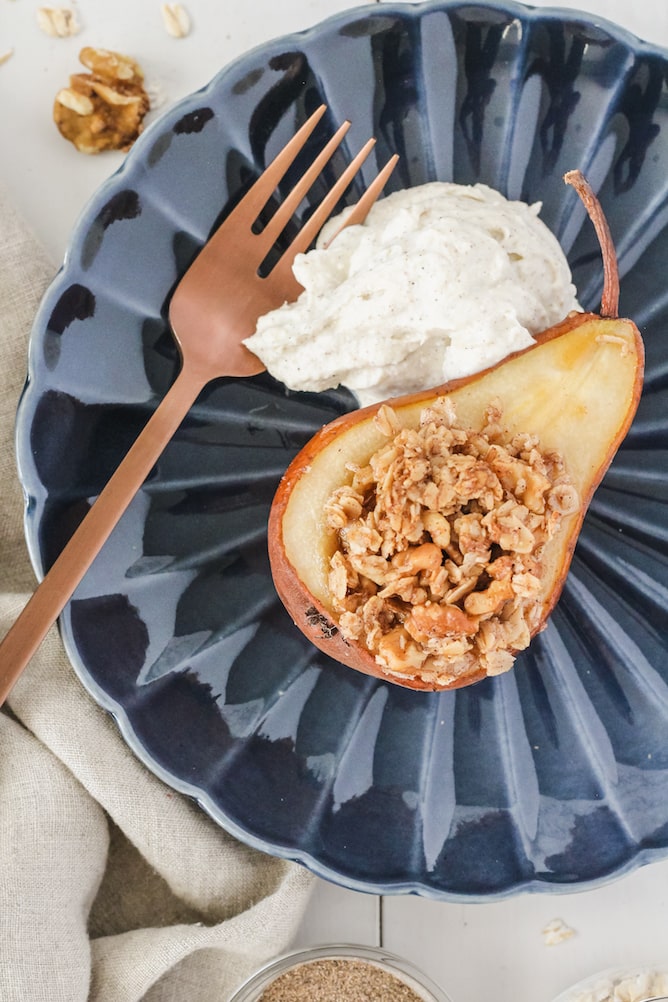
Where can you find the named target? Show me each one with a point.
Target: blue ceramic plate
(552, 777)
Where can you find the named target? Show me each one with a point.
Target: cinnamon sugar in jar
(340, 973)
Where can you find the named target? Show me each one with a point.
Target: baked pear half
(427, 540)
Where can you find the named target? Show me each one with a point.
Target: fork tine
(258, 195)
(285, 211)
(312, 227)
(360, 210)
(282, 270)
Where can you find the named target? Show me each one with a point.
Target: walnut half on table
(105, 108)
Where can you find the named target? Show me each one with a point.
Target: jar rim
(401, 967)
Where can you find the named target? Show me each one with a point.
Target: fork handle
(56, 588)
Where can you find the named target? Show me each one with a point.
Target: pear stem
(610, 297)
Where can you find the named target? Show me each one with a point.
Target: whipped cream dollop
(440, 281)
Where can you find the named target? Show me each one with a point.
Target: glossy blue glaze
(552, 777)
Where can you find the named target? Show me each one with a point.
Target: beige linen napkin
(113, 888)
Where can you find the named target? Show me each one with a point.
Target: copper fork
(214, 307)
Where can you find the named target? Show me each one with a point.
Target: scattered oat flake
(556, 932)
(156, 94)
(5, 56)
(176, 19)
(59, 22)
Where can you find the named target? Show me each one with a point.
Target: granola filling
(440, 538)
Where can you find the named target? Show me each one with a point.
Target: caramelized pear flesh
(577, 389)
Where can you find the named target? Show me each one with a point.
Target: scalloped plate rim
(409, 11)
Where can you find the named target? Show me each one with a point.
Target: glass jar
(307, 972)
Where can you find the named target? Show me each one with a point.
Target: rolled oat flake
(339, 979)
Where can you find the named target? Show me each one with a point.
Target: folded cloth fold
(113, 888)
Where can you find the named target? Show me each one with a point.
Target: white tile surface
(496, 952)
(337, 915)
(480, 953)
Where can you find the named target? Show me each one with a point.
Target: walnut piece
(105, 108)
(440, 536)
